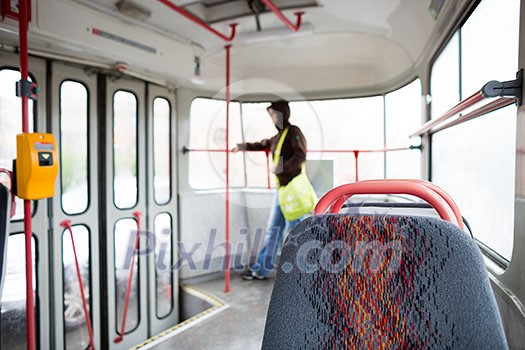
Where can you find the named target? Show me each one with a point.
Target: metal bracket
(512, 88)
(185, 150)
(27, 89)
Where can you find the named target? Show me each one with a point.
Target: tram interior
(135, 94)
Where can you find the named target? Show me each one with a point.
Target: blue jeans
(277, 226)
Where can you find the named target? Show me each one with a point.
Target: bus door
(74, 124)
(124, 195)
(162, 210)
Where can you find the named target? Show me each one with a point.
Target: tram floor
(240, 326)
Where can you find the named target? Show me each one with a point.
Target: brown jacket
(293, 153)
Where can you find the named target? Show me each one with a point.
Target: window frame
(88, 145)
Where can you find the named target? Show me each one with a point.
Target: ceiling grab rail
(493, 88)
(338, 204)
(200, 22)
(388, 187)
(283, 18)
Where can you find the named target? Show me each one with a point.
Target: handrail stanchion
(356, 156)
(28, 223)
(227, 248)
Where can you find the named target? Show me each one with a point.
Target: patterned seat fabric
(381, 282)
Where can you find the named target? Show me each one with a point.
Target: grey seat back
(5, 216)
(381, 282)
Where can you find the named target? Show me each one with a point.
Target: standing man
(290, 145)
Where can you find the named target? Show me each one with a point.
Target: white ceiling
(344, 44)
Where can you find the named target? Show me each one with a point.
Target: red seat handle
(414, 188)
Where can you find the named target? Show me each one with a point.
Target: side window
(403, 114)
(161, 150)
(77, 336)
(257, 125)
(11, 125)
(444, 82)
(207, 165)
(13, 303)
(344, 125)
(163, 263)
(475, 161)
(125, 182)
(125, 232)
(74, 147)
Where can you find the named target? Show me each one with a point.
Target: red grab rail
(388, 187)
(200, 22)
(130, 280)
(67, 224)
(283, 18)
(461, 106)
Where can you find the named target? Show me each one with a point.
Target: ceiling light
(133, 10)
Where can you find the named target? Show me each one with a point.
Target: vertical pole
(227, 257)
(356, 155)
(28, 229)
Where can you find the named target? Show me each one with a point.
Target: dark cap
(282, 107)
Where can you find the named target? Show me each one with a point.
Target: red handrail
(28, 223)
(461, 106)
(227, 229)
(388, 187)
(489, 107)
(267, 152)
(130, 280)
(283, 18)
(355, 152)
(451, 203)
(379, 150)
(200, 22)
(67, 224)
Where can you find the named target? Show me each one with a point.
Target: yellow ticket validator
(36, 165)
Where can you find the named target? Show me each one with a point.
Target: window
(125, 183)
(344, 124)
(257, 125)
(475, 161)
(74, 147)
(13, 305)
(77, 336)
(125, 233)
(10, 126)
(161, 150)
(163, 263)
(403, 116)
(207, 170)
(444, 82)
